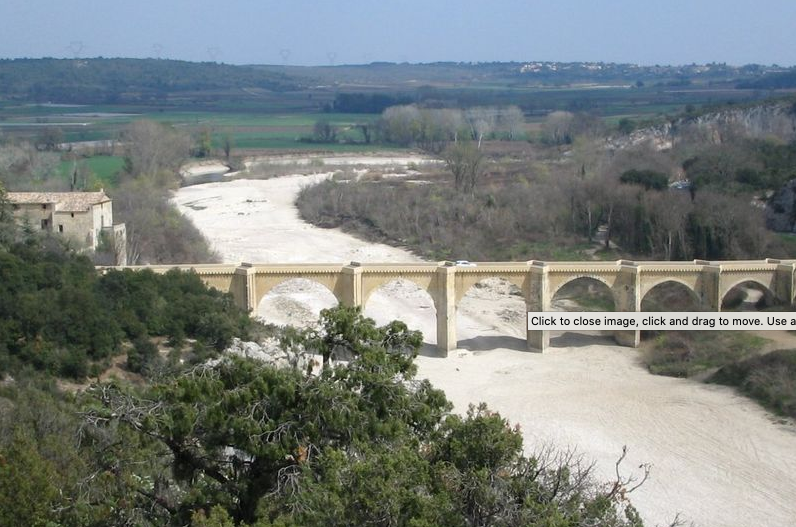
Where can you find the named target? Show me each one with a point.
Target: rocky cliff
(770, 120)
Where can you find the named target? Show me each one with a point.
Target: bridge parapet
(446, 283)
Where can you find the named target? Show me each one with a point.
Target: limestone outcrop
(763, 121)
(269, 352)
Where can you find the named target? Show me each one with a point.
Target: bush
(769, 379)
(506, 222)
(143, 353)
(58, 315)
(360, 443)
(649, 179)
(687, 353)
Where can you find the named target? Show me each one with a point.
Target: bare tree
(400, 124)
(452, 121)
(466, 163)
(227, 143)
(482, 122)
(557, 128)
(367, 131)
(152, 147)
(324, 132)
(50, 138)
(512, 121)
(670, 210)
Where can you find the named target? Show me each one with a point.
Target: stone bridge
(628, 281)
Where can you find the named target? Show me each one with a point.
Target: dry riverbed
(717, 458)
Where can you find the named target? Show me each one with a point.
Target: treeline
(534, 73)
(742, 165)
(702, 198)
(366, 102)
(771, 81)
(432, 129)
(59, 316)
(100, 80)
(522, 219)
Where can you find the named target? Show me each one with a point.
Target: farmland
(280, 106)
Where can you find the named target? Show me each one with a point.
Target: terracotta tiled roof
(64, 201)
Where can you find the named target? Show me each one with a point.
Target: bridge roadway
(629, 282)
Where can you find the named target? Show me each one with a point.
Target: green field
(105, 168)
(279, 120)
(250, 131)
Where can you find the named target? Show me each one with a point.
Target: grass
(105, 168)
(688, 353)
(595, 302)
(248, 130)
(770, 379)
(788, 243)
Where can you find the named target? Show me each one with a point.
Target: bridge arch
(658, 295)
(294, 300)
(264, 283)
(465, 281)
(583, 293)
(568, 281)
(768, 298)
(502, 301)
(406, 300)
(372, 282)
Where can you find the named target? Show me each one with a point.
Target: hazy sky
(357, 31)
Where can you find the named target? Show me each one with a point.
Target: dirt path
(717, 458)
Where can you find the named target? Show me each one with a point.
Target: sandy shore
(718, 459)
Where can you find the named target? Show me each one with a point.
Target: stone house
(84, 217)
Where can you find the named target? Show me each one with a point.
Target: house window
(60, 228)
(44, 207)
(45, 224)
(16, 207)
(72, 214)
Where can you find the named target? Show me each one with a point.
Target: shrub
(141, 355)
(649, 179)
(687, 353)
(769, 379)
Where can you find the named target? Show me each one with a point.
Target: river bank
(717, 458)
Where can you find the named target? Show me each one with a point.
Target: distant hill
(772, 81)
(101, 80)
(534, 73)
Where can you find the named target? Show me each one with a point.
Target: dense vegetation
(91, 81)
(521, 219)
(235, 442)
(772, 81)
(520, 74)
(689, 353)
(242, 443)
(57, 315)
(767, 378)
(694, 200)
